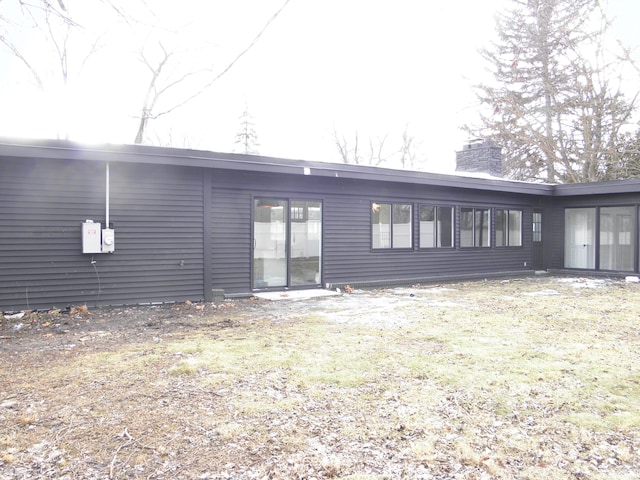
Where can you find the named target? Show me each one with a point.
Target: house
(130, 224)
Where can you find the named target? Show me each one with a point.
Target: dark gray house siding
(184, 225)
(347, 253)
(157, 214)
(581, 196)
(231, 239)
(158, 217)
(349, 257)
(41, 207)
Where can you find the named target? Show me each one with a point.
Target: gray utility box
(91, 237)
(96, 239)
(108, 240)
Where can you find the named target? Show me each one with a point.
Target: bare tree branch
(16, 53)
(148, 114)
(555, 110)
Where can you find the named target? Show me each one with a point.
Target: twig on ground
(115, 455)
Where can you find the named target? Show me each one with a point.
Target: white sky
(370, 66)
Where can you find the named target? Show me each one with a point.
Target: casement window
(508, 228)
(436, 226)
(391, 225)
(475, 227)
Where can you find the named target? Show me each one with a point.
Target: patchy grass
(526, 378)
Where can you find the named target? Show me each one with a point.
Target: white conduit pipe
(107, 198)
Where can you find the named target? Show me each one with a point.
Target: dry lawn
(524, 379)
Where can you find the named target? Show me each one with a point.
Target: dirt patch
(108, 328)
(527, 378)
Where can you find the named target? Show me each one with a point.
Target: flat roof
(145, 154)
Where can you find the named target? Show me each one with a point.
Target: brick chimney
(480, 156)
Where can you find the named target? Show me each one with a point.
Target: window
(474, 227)
(436, 226)
(537, 226)
(298, 214)
(391, 225)
(508, 228)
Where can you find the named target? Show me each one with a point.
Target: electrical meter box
(108, 240)
(91, 237)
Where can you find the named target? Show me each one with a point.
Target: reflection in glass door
(579, 238)
(269, 243)
(616, 238)
(306, 225)
(287, 243)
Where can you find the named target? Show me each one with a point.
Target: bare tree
(70, 43)
(172, 81)
(627, 163)
(377, 152)
(159, 84)
(553, 105)
(407, 154)
(351, 152)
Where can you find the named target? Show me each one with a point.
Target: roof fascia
(597, 188)
(67, 150)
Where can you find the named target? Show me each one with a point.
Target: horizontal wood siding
(584, 201)
(231, 242)
(555, 235)
(157, 215)
(348, 257)
(347, 254)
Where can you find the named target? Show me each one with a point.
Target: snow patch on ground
(542, 293)
(585, 282)
(393, 308)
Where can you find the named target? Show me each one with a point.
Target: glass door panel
(270, 219)
(616, 238)
(306, 245)
(538, 258)
(579, 238)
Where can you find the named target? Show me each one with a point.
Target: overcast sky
(366, 66)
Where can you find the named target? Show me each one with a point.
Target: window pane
(515, 228)
(466, 227)
(502, 238)
(436, 226)
(616, 232)
(270, 243)
(427, 226)
(579, 237)
(401, 226)
(381, 225)
(537, 227)
(445, 227)
(306, 242)
(482, 228)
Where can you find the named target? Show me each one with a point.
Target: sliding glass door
(306, 227)
(287, 243)
(270, 219)
(616, 238)
(580, 238)
(600, 238)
